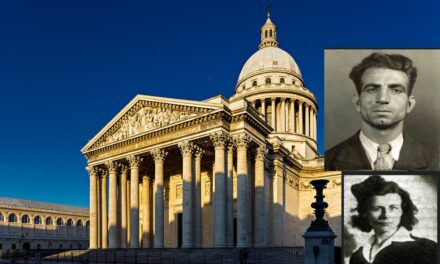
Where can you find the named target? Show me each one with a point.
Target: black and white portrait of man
(382, 110)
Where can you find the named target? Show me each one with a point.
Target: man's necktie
(384, 159)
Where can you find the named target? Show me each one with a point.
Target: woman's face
(385, 212)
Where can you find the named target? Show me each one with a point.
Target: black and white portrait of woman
(390, 219)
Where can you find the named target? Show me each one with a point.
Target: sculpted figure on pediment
(145, 119)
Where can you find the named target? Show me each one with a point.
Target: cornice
(252, 116)
(259, 93)
(220, 114)
(34, 210)
(142, 101)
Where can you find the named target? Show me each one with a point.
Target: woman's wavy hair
(376, 185)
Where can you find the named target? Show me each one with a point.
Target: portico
(195, 167)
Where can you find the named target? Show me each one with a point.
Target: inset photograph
(390, 219)
(381, 109)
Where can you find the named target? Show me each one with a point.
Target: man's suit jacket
(350, 155)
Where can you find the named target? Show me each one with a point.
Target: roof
(269, 58)
(35, 205)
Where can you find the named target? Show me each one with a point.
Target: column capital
(103, 172)
(186, 148)
(261, 152)
(92, 170)
(158, 155)
(124, 169)
(242, 140)
(134, 160)
(219, 139)
(232, 144)
(198, 152)
(112, 166)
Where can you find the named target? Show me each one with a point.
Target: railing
(267, 255)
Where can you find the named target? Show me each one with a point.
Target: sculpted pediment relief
(143, 115)
(147, 118)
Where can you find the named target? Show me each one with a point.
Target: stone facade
(35, 225)
(216, 173)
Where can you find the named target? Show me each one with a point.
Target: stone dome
(269, 59)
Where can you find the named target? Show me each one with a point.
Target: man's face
(384, 100)
(385, 212)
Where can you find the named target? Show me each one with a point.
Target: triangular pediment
(148, 113)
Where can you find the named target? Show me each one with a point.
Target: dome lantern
(268, 34)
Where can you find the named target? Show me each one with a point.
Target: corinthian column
(263, 108)
(198, 199)
(93, 207)
(146, 232)
(230, 195)
(274, 114)
(243, 218)
(112, 232)
(260, 225)
(104, 219)
(300, 119)
(159, 158)
(314, 125)
(292, 115)
(219, 140)
(283, 115)
(123, 192)
(134, 200)
(307, 120)
(187, 149)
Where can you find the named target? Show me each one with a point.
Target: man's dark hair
(376, 185)
(385, 61)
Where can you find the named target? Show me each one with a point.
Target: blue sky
(67, 67)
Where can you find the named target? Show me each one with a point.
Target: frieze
(151, 141)
(145, 119)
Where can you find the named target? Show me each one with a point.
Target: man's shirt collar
(370, 147)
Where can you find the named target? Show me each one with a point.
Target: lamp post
(319, 237)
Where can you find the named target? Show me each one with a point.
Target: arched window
(70, 222)
(282, 80)
(2, 218)
(88, 223)
(265, 33)
(25, 219)
(254, 83)
(49, 220)
(79, 223)
(268, 81)
(12, 218)
(13, 246)
(37, 220)
(60, 221)
(293, 82)
(270, 33)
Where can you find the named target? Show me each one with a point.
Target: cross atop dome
(268, 32)
(268, 9)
